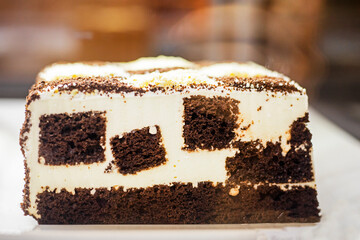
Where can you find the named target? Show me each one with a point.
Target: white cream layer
(147, 63)
(74, 70)
(233, 69)
(278, 112)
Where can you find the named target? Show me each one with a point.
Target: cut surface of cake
(167, 141)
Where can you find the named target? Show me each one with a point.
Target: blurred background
(315, 42)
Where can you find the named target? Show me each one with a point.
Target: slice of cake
(167, 141)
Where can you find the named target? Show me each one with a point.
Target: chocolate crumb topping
(106, 85)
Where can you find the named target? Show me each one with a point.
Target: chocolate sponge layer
(179, 204)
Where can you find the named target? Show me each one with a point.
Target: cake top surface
(161, 73)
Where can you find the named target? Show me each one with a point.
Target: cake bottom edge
(179, 203)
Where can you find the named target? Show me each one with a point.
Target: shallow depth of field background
(315, 42)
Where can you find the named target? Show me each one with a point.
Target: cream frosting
(234, 69)
(147, 63)
(75, 70)
(179, 77)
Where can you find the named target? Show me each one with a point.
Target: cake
(167, 141)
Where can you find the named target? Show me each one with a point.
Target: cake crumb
(234, 192)
(74, 92)
(41, 160)
(93, 191)
(152, 130)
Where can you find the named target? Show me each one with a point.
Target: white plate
(337, 169)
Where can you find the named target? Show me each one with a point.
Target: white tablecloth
(337, 171)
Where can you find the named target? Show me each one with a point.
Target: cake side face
(165, 140)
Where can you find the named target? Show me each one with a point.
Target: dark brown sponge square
(138, 150)
(257, 163)
(209, 123)
(72, 138)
